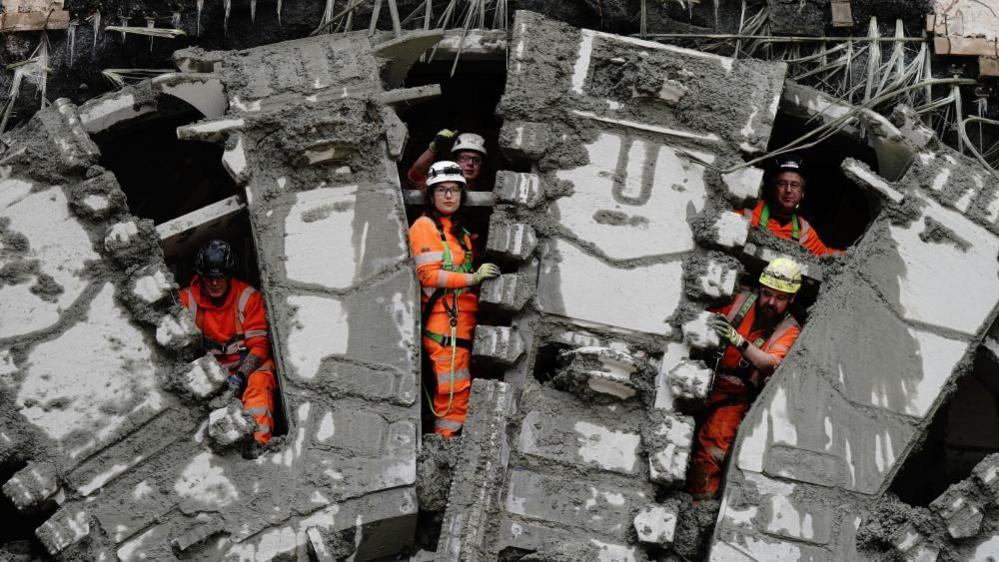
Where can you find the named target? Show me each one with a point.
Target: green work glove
(726, 331)
(443, 141)
(486, 271)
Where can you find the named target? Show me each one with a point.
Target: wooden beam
(988, 66)
(11, 22)
(969, 46)
(410, 95)
(182, 235)
(842, 13)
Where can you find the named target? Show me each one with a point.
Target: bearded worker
(756, 331)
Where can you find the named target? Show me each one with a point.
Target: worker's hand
(726, 331)
(486, 271)
(236, 383)
(443, 141)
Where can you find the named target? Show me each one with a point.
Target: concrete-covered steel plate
(615, 235)
(103, 394)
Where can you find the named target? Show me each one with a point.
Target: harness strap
(799, 227)
(445, 341)
(741, 309)
(743, 303)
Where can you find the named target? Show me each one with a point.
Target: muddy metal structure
(613, 224)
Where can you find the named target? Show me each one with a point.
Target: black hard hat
(789, 163)
(215, 259)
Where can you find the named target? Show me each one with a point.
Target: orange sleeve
(255, 327)
(416, 178)
(781, 347)
(428, 253)
(183, 297)
(815, 245)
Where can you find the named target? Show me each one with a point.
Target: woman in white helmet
(467, 149)
(442, 251)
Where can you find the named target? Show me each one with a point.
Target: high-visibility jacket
(735, 387)
(797, 229)
(734, 371)
(230, 332)
(432, 247)
(444, 263)
(233, 329)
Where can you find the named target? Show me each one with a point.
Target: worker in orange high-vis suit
(777, 210)
(233, 323)
(443, 256)
(757, 332)
(467, 149)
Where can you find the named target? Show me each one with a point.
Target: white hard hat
(469, 141)
(443, 171)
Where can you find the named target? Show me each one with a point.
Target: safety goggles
(447, 191)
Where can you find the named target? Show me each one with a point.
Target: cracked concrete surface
(612, 244)
(128, 448)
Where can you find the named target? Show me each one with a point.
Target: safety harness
(799, 227)
(235, 345)
(450, 340)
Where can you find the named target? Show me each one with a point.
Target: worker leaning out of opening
(757, 332)
(233, 323)
(777, 210)
(467, 149)
(442, 251)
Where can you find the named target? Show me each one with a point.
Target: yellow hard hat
(782, 274)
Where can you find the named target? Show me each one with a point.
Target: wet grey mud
(613, 218)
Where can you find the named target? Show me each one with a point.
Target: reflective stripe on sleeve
(442, 423)
(244, 297)
(255, 333)
(428, 257)
(192, 305)
(459, 375)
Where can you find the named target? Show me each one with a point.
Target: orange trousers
(258, 401)
(712, 444)
(453, 390)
